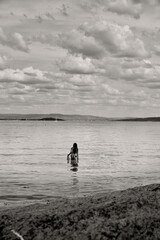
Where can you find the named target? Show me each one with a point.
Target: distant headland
(146, 119)
(64, 117)
(48, 117)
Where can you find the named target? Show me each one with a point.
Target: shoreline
(129, 214)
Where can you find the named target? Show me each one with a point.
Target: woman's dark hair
(75, 148)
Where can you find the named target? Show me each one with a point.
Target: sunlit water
(113, 156)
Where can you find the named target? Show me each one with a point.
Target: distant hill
(146, 119)
(64, 117)
(49, 117)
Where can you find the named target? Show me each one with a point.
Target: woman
(74, 154)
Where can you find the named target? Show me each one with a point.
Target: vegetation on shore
(130, 214)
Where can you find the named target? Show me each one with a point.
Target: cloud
(26, 86)
(131, 8)
(50, 16)
(135, 63)
(18, 42)
(147, 2)
(109, 90)
(78, 65)
(3, 61)
(26, 90)
(14, 41)
(91, 90)
(77, 42)
(64, 10)
(157, 49)
(125, 7)
(27, 76)
(100, 63)
(143, 76)
(79, 81)
(101, 39)
(39, 19)
(44, 38)
(139, 72)
(118, 40)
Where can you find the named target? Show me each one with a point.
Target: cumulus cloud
(80, 81)
(15, 41)
(27, 85)
(77, 42)
(135, 63)
(103, 38)
(25, 76)
(118, 40)
(78, 65)
(143, 76)
(125, 7)
(139, 72)
(110, 90)
(91, 90)
(147, 2)
(18, 42)
(132, 8)
(44, 38)
(18, 90)
(104, 60)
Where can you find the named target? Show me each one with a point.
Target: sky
(92, 57)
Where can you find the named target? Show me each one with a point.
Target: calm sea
(113, 156)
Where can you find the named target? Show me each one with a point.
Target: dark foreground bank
(129, 214)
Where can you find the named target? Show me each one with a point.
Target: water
(113, 156)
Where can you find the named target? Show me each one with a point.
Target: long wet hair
(75, 148)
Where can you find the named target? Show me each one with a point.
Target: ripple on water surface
(113, 156)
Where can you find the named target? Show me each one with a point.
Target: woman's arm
(68, 157)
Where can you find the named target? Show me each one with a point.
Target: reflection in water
(74, 169)
(75, 184)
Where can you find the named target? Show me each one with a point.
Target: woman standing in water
(74, 155)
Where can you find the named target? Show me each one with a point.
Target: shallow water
(113, 156)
